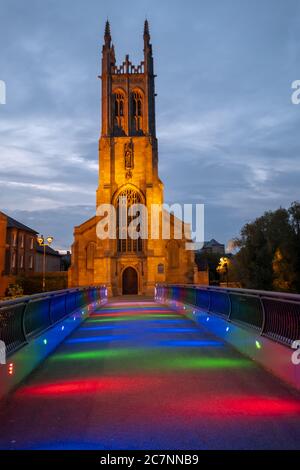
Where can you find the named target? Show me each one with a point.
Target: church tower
(128, 169)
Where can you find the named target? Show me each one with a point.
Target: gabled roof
(13, 223)
(213, 242)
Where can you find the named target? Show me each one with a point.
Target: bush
(14, 290)
(33, 284)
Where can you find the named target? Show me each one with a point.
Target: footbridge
(192, 368)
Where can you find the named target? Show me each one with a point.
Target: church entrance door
(129, 281)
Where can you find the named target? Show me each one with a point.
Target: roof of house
(213, 242)
(13, 223)
(49, 251)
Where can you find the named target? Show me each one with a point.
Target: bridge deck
(138, 375)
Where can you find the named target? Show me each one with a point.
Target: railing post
(230, 306)
(49, 309)
(23, 321)
(209, 300)
(264, 315)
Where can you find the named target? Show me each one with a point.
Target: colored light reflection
(95, 354)
(97, 339)
(181, 363)
(151, 358)
(89, 386)
(87, 328)
(173, 330)
(177, 343)
(250, 406)
(119, 318)
(135, 314)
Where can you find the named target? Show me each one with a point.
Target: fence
(25, 318)
(275, 315)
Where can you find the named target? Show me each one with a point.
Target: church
(128, 168)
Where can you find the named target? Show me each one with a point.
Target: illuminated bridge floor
(137, 375)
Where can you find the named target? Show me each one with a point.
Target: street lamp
(44, 242)
(223, 267)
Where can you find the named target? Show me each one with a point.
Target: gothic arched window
(119, 110)
(137, 111)
(124, 245)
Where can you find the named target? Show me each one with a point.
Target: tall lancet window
(119, 112)
(137, 111)
(125, 243)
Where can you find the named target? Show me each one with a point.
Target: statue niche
(128, 158)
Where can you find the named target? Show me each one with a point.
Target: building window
(22, 240)
(14, 239)
(119, 110)
(137, 111)
(160, 268)
(128, 244)
(22, 261)
(31, 261)
(13, 260)
(31, 243)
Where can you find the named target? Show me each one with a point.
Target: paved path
(137, 375)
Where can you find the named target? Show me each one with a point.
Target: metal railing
(26, 317)
(275, 315)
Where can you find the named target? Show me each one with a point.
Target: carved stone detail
(129, 155)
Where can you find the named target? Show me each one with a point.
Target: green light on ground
(149, 359)
(96, 354)
(205, 363)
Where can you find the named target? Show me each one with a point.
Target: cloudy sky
(228, 131)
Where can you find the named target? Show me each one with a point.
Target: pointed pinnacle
(107, 29)
(146, 29)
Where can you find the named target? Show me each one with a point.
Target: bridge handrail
(24, 318)
(275, 315)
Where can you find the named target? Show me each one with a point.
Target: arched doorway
(129, 281)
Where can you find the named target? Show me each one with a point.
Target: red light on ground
(10, 369)
(244, 406)
(88, 386)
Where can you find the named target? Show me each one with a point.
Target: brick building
(21, 255)
(17, 250)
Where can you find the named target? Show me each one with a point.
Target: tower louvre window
(119, 110)
(137, 111)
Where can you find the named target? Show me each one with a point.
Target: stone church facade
(128, 167)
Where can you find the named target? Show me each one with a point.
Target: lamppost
(41, 241)
(226, 271)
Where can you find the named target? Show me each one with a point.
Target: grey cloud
(228, 133)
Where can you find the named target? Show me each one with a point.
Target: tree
(269, 251)
(294, 212)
